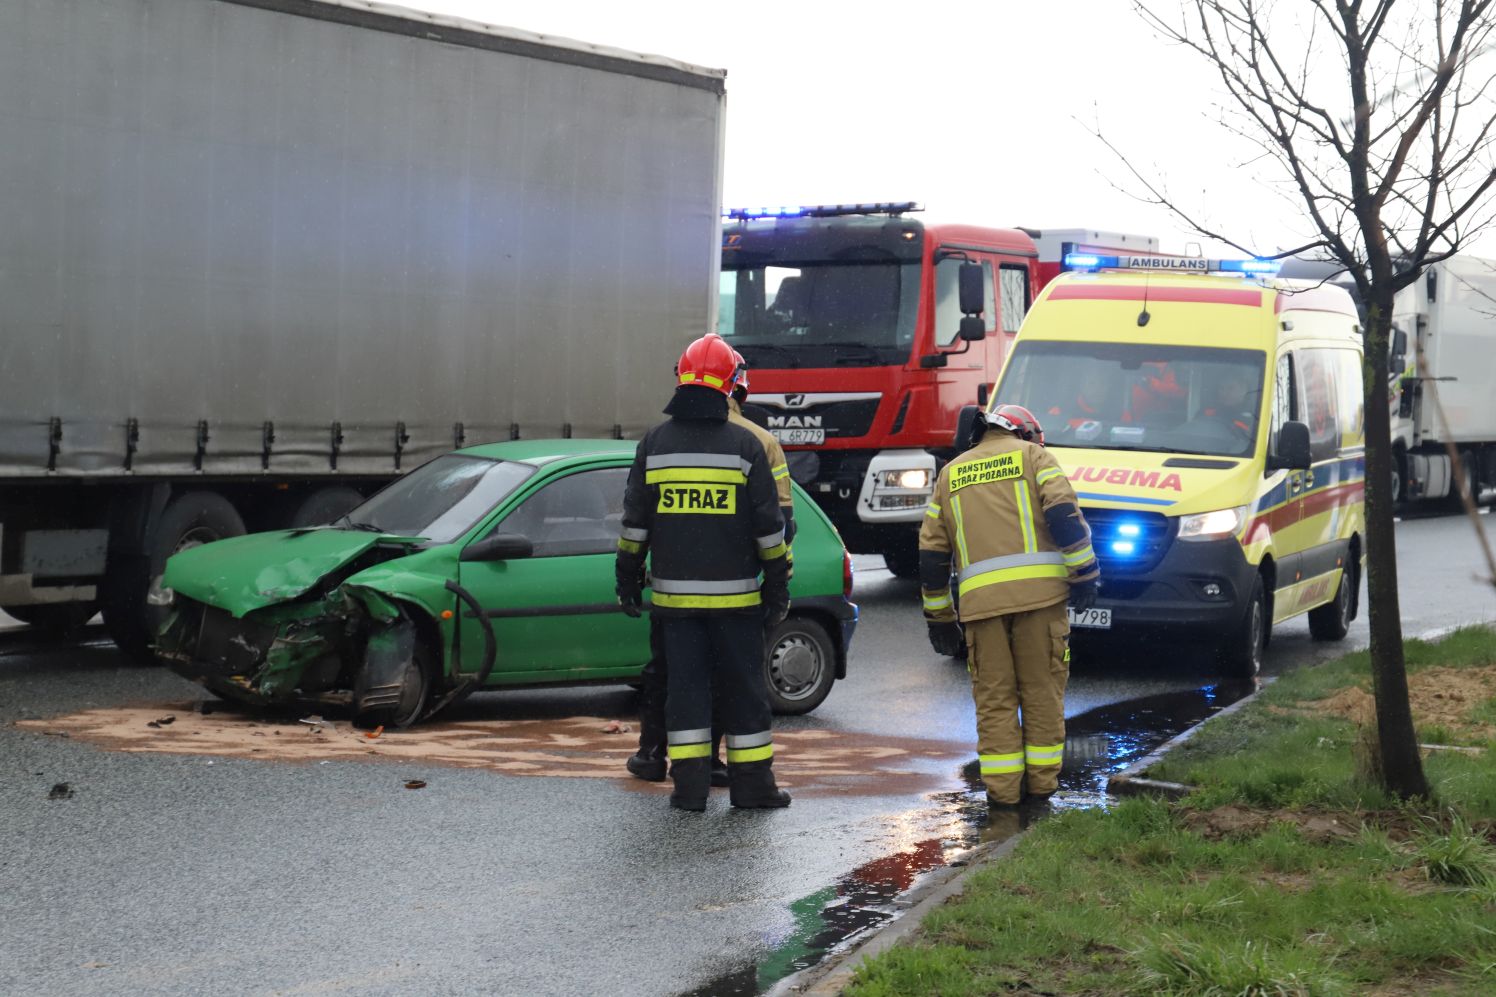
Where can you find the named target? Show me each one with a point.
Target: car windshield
(440, 500)
(821, 314)
(1135, 396)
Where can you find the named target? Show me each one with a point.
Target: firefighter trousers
(1020, 662)
(653, 680)
(721, 653)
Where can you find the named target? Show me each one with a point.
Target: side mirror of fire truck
(969, 283)
(973, 328)
(966, 425)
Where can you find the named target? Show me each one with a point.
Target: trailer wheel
(190, 520)
(57, 619)
(325, 505)
(1399, 485)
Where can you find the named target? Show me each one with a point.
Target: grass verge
(1283, 874)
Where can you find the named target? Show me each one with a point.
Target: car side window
(578, 514)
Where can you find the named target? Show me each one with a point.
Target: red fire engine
(867, 332)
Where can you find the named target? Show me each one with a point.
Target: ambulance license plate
(1095, 619)
(800, 437)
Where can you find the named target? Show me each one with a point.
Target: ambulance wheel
(1241, 655)
(1332, 621)
(799, 666)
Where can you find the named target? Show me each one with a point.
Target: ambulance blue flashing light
(823, 210)
(1186, 264)
(1124, 547)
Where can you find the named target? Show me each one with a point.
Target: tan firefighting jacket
(988, 514)
(778, 466)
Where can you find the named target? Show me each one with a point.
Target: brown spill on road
(812, 762)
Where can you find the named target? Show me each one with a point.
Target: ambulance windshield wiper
(1135, 447)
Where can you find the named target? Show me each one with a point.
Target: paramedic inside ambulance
(1088, 405)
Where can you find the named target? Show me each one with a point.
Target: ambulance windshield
(821, 313)
(1133, 396)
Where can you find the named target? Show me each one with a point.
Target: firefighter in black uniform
(701, 503)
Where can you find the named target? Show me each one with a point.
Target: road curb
(832, 975)
(1131, 781)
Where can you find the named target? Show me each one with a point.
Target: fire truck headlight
(914, 478)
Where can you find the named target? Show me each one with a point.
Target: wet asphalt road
(184, 875)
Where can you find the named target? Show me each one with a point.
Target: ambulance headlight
(1212, 525)
(917, 477)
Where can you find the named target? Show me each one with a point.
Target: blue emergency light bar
(1185, 264)
(824, 210)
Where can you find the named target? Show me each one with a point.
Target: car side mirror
(499, 547)
(969, 284)
(1291, 451)
(973, 328)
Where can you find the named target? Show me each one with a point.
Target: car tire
(415, 696)
(189, 520)
(324, 505)
(1332, 621)
(1241, 654)
(799, 666)
(57, 619)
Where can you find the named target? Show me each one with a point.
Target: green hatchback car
(488, 567)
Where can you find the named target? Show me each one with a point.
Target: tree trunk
(1401, 764)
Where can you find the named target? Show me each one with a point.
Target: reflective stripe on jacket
(986, 522)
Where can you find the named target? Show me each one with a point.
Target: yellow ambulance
(1209, 417)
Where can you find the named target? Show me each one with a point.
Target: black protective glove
(1083, 594)
(776, 605)
(947, 639)
(629, 585)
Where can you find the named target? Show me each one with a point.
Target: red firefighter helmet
(741, 380)
(1017, 420)
(709, 362)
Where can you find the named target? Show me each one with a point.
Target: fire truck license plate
(1096, 619)
(800, 437)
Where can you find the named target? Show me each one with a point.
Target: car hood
(248, 573)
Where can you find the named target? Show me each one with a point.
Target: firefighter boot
(648, 763)
(751, 786)
(693, 779)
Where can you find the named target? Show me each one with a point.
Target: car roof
(542, 452)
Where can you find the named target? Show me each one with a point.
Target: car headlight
(1212, 525)
(917, 477)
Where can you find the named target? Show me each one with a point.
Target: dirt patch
(1244, 822)
(1443, 697)
(812, 762)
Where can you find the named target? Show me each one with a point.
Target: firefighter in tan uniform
(1005, 517)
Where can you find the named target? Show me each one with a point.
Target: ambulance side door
(1325, 498)
(1284, 489)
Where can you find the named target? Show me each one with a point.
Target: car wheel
(799, 666)
(134, 601)
(409, 704)
(1332, 621)
(1241, 655)
(54, 619)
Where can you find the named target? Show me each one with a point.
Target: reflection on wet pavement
(1098, 743)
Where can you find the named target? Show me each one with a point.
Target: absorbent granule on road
(813, 762)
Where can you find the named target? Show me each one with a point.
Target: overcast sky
(980, 110)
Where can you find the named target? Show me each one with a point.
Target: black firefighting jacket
(701, 503)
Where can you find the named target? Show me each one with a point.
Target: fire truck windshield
(1132, 396)
(821, 313)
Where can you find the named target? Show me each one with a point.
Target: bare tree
(1373, 118)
